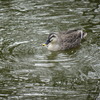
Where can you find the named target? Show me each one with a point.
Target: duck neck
(53, 47)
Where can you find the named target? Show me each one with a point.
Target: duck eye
(52, 37)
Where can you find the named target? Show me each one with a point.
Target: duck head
(52, 38)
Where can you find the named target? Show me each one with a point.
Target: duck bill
(46, 43)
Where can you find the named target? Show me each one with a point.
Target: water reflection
(30, 71)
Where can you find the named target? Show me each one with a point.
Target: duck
(64, 40)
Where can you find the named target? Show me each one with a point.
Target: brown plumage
(64, 40)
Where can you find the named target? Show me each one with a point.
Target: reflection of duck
(64, 40)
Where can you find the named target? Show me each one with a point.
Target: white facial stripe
(51, 37)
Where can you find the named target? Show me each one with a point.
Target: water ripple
(30, 71)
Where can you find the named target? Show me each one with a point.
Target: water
(29, 71)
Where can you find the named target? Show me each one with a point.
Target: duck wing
(71, 38)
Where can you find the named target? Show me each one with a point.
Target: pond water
(29, 71)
